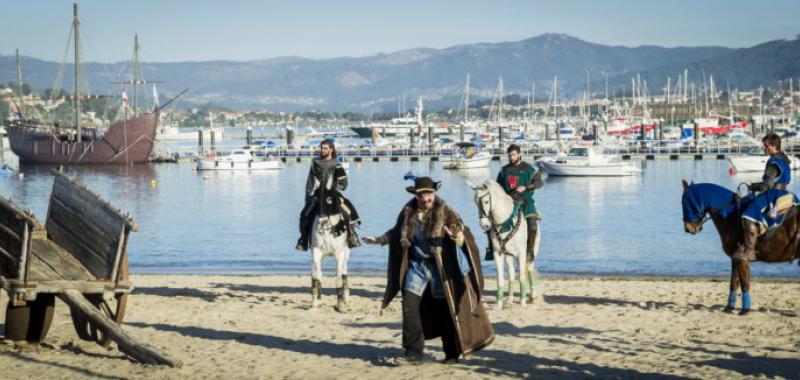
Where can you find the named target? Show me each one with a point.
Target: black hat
(423, 185)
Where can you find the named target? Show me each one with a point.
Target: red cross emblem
(513, 181)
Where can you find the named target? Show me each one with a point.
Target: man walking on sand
(434, 261)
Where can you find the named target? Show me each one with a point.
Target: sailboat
(128, 141)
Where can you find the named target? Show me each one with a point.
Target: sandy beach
(261, 327)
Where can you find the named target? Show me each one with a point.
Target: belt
(779, 186)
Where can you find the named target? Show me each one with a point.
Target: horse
(781, 244)
(329, 238)
(506, 224)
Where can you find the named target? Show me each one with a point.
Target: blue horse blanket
(768, 209)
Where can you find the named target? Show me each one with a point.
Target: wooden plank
(85, 206)
(93, 262)
(76, 195)
(5, 229)
(61, 178)
(138, 351)
(79, 227)
(18, 212)
(50, 254)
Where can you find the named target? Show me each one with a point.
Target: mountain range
(381, 82)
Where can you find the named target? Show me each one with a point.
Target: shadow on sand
(757, 366)
(377, 356)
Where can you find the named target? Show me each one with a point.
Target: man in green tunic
(519, 179)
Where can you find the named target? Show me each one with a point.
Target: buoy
(732, 171)
(153, 183)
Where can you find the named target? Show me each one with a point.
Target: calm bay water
(246, 223)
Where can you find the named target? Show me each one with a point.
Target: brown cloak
(462, 293)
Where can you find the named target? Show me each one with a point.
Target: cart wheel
(88, 331)
(18, 319)
(30, 322)
(41, 317)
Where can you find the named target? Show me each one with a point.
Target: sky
(242, 30)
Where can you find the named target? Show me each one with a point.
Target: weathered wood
(137, 351)
(56, 286)
(49, 254)
(70, 231)
(76, 194)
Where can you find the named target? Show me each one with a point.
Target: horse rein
(494, 229)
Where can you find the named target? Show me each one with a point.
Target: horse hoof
(341, 307)
(744, 312)
(728, 309)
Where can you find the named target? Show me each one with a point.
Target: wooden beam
(138, 351)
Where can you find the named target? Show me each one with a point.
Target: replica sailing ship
(127, 141)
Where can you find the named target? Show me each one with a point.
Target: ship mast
(19, 84)
(75, 24)
(135, 70)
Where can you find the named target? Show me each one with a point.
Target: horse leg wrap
(523, 291)
(500, 295)
(345, 289)
(745, 300)
(316, 289)
(732, 299)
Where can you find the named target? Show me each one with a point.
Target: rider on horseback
(777, 176)
(519, 180)
(326, 180)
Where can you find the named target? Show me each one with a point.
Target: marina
(592, 226)
(400, 190)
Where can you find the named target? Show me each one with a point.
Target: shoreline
(556, 276)
(261, 326)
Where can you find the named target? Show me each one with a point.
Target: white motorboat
(754, 160)
(239, 159)
(173, 133)
(587, 162)
(467, 156)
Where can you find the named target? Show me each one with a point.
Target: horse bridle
(493, 229)
(482, 214)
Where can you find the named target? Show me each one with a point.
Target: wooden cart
(79, 256)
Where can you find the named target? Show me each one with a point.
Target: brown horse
(781, 244)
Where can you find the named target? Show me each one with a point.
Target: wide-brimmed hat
(424, 185)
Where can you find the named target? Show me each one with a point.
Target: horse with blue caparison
(706, 201)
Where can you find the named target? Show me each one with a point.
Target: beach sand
(261, 327)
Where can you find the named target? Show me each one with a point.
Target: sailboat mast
(466, 100)
(75, 25)
(19, 75)
(135, 70)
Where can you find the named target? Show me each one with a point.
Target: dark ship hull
(125, 142)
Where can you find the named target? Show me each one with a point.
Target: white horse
(325, 241)
(495, 208)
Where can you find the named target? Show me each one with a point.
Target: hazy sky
(171, 30)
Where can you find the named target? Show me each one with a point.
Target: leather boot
(489, 250)
(747, 249)
(352, 237)
(533, 230)
(302, 242)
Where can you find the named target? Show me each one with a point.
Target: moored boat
(587, 162)
(239, 159)
(127, 141)
(754, 160)
(467, 156)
